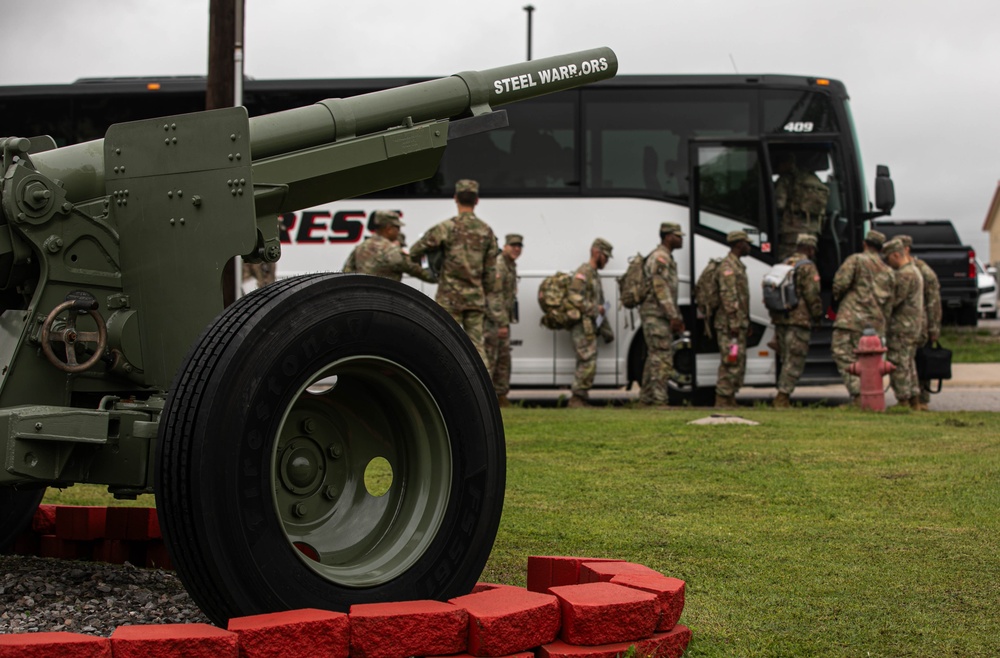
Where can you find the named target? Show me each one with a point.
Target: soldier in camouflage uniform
(469, 266)
(661, 317)
(501, 312)
(793, 327)
(587, 296)
(381, 254)
(801, 199)
(932, 313)
(906, 325)
(864, 287)
(732, 318)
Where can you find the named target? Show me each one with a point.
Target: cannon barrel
(81, 166)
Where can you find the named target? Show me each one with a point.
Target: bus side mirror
(885, 193)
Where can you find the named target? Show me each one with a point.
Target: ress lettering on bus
(318, 227)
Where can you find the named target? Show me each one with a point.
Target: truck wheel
(968, 315)
(330, 439)
(17, 508)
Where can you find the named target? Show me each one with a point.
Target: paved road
(973, 387)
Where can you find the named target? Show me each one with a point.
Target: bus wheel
(17, 508)
(683, 391)
(330, 440)
(699, 397)
(637, 352)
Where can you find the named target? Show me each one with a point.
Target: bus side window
(651, 169)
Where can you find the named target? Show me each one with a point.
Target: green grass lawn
(972, 344)
(819, 532)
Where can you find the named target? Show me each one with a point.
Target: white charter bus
(611, 160)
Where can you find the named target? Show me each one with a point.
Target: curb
(572, 607)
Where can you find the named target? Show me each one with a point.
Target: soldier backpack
(779, 286)
(706, 292)
(634, 285)
(553, 298)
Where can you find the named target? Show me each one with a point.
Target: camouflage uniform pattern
(468, 271)
(906, 325)
(586, 294)
(382, 257)
(932, 315)
(864, 285)
(732, 320)
(262, 273)
(656, 311)
(500, 313)
(802, 199)
(793, 328)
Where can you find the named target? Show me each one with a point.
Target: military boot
(781, 401)
(577, 402)
(918, 405)
(502, 401)
(725, 401)
(902, 404)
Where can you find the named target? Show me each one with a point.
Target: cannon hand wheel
(72, 337)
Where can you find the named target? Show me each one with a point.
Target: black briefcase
(933, 362)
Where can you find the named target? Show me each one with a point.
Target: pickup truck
(936, 242)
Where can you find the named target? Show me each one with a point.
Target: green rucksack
(553, 298)
(706, 292)
(634, 285)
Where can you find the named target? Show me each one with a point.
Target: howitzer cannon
(327, 440)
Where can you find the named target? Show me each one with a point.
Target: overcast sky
(924, 76)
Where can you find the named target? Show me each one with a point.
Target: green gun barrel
(471, 92)
(81, 167)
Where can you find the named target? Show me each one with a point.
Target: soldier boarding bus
(771, 155)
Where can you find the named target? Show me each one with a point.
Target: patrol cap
(602, 246)
(514, 239)
(893, 246)
(387, 218)
(875, 238)
(467, 185)
(905, 239)
(737, 236)
(670, 227)
(806, 240)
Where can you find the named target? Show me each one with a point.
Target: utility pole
(529, 9)
(222, 40)
(225, 56)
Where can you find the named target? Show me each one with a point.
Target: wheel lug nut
(333, 450)
(330, 493)
(308, 426)
(300, 510)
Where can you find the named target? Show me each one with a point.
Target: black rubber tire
(17, 508)
(220, 477)
(968, 315)
(636, 360)
(700, 397)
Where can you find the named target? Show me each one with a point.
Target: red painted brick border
(590, 604)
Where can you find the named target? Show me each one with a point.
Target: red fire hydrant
(871, 368)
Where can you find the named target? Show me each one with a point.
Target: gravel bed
(93, 598)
